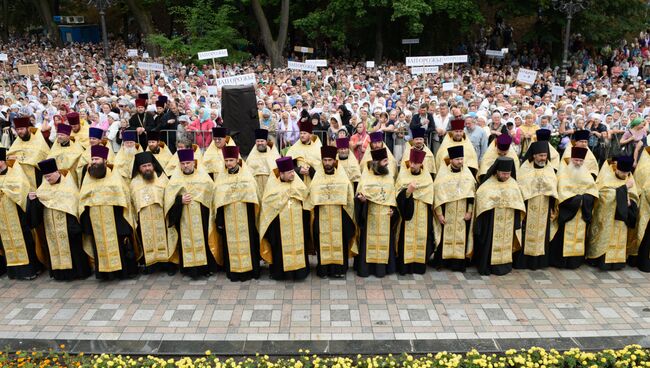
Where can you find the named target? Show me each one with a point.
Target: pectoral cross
(328, 190)
(382, 194)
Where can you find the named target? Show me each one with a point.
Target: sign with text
(410, 41)
(236, 80)
(557, 90)
(318, 62)
(526, 76)
(301, 66)
(214, 54)
(449, 86)
(28, 69)
(155, 67)
(504, 50)
(494, 53)
(370, 64)
(435, 60)
(304, 50)
(424, 70)
(132, 52)
(145, 55)
(4, 57)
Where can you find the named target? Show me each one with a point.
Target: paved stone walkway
(439, 305)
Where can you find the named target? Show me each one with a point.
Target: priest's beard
(26, 136)
(379, 169)
(343, 156)
(97, 171)
(574, 170)
(261, 148)
(148, 175)
(419, 147)
(233, 170)
(130, 150)
(540, 163)
(415, 171)
(329, 169)
(188, 171)
(621, 177)
(155, 151)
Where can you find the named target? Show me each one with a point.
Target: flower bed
(630, 356)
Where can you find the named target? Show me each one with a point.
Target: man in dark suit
(424, 120)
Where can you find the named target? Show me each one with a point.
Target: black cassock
(126, 247)
(363, 268)
(175, 214)
(522, 261)
(274, 237)
(30, 270)
(406, 206)
(80, 266)
(334, 270)
(254, 245)
(568, 210)
(625, 213)
(458, 265)
(483, 229)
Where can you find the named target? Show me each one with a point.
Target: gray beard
(261, 149)
(234, 170)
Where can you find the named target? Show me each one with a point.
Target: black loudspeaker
(239, 113)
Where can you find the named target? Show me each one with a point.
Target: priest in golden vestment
(28, 150)
(79, 133)
(212, 160)
(639, 250)
(615, 215)
(55, 206)
(158, 148)
(261, 159)
(454, 190)
(418, 144)
(544, 135)
(18, 245)
(414, 188)
(331, 197)
(95, 137)
(577, 193)
(457, 137)
(349, 166)
(500, 147)
(183, 143)
(148, 183)
(499, 210)
(306, 152)
(236, 206)
(125, 156)
(538, 184)
(377, 218)
(188, 200)
(581, 139)
(65, 151)
(284, 223)
(377, 143)
(107, 216)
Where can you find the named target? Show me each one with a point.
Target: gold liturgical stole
(415, 229)
(30, 153)
(537, 185)
(505, 198)
(609, 236)
(306, 155)
(212, 159)
(492, 154)
(284, 200)
(164, 154)
(82, 136)
(379, 191)
(67, 158)
(14, 189)
(351, 168)
(158, 240)
(200, 186)
(452, 190)
(173, 161)
(101, 195)
(59, 199)
(331, 193)
(429, 158)
(261, 164)
(642, 180)
(233, 192)
(470, 159)
(124, 161)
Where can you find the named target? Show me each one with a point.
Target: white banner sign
(526, 76)
(494, 53)
(132, 52)
(449, 86)
(237, 80)
(3, 57)
(301, 66)
(317, 62)
(435, 60)
(424, 70)
(145, 55)
(504, 50)
(214, 54)
(410, 41)
(156, 67)
(557, 90)
(370, 64)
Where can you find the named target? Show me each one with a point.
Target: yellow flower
(208, 352)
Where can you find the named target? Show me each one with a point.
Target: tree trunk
(52, 29)
(273, 47)
(379, 36)
(144, 22)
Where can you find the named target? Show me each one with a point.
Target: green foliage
(205, 29)
(607, 21)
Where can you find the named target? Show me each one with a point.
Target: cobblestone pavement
(439, 305)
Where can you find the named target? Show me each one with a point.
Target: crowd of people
(379, 165)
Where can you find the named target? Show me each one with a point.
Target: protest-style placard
(370, 64)
(155, 67)
(526, 76)
(318, 62)
(301, 66)
(236, 80)
(416, 70)
(449, 86)
(214, 54)
(132, 52)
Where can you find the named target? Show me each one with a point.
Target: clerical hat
(153, 135)
(581, 135)
(140, 102)
(64, 129)
(22, 122)
(543, 134)
(578, 152)
(219, 132)
(284, 163)
(624, 163)
(185, 155)
(3, 154)
(505, 164)
(328, 152)
(457, 124)
(95, 133)
(128, 136)
(230, 152)
(503, 142)
(305, 126)
(99, 151)
(143, 96)
(342, 143)
(455, 152)
(73, 118)
(418, 132)
(417, 156)
(379, 154)
(261, 134)
(376, 137)
(47, 166)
